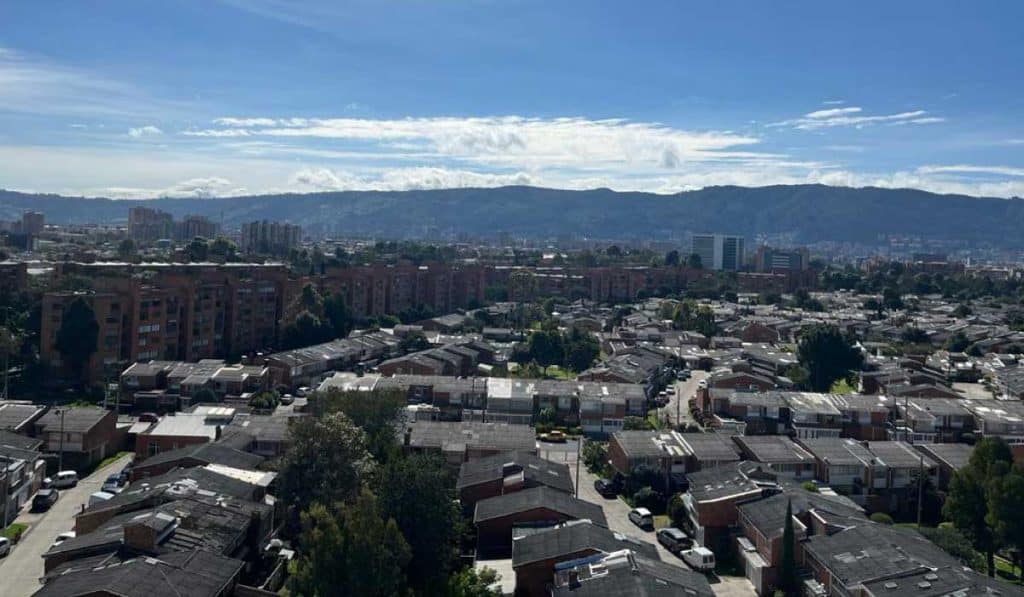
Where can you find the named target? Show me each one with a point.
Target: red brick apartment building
(170, 312)
(385, 289)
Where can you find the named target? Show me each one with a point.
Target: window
(153, 448)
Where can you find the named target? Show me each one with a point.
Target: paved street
(677, 410)
(617, 511)
(22, 569)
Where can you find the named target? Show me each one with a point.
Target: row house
(310, 365)
(1000, 418)
(671, 453)
(931, 419)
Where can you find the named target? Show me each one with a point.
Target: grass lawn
(842, 387)
(661, 521)
(110, 459)
(14, 529)
(556, 372)
(1005, 569)
(652, 418)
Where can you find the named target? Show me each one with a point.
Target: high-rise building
(719, 251)
(771, 260)
(32, 222)
(272, 238)
(149, 225)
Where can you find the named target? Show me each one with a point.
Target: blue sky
(206, 98)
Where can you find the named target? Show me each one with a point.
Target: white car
(642, 518)
(700, 559)
(5, 546)
(65, 479)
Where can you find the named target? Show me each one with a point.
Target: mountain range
(803, 213)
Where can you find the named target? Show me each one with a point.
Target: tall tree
(828, 355)
(337, 315)
(376, 413)
(971, 492)
(327, 461)
(470, 583)
(77, 335)
(787, 569)
(672, 257)
(353, 551)
(581, 350)
(1006, 512)
(693, 261)
(418, 492)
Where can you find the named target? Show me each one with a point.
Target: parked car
(302, 392)
(5, 546)
(65, 479)
(555, 436)
(113, 484)
(701, 559)
(673, 539)
(607, 489)
(61, 538)
(287, 399)
(43, 499)
(642, 518)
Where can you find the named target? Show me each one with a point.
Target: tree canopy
(827, 355)
(77, 335)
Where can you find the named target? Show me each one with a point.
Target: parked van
(65, 479)
(99, 496)
(701, 559)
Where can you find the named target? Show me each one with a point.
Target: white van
(701, 559)
(99, 496)
(65, 479)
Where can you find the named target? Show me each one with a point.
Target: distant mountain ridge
(808, 213)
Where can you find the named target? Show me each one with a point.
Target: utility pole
(920, 491)
(60, 455)
(579, 443)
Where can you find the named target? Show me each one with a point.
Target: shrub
(810, 486)
(881, 518)
(650, 499)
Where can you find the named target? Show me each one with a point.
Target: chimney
(218, 433)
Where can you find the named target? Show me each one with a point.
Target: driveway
(22, 569)
(677, 410)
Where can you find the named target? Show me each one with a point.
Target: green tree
(306, 330)
(891, 298)
(418, 492)
(694, 261)
(613, 251)
(126, 250)
(198, 250)
(581, 350)
(265, 400)
(787, 569)
(223, 249)
(672, 258)
(546, 347)
(827, 355)
(1006, 512)
(376, 413)
(352, 551)
(971, 492)
(77, 336)
(414, 342)
(337, 315)
(595, 457)
(326, 462)
(962, 311)
(957, 342)
(470, 583)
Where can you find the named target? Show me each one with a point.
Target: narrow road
(678, 410)
(22, 569)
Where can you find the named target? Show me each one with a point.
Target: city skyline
(232, 98)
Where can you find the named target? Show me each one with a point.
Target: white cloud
(30, 84)
(970, 169)
(510, 141)
(834, 102)
(832, 112)
(144, 131)
(853, 116)
(403, 179)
